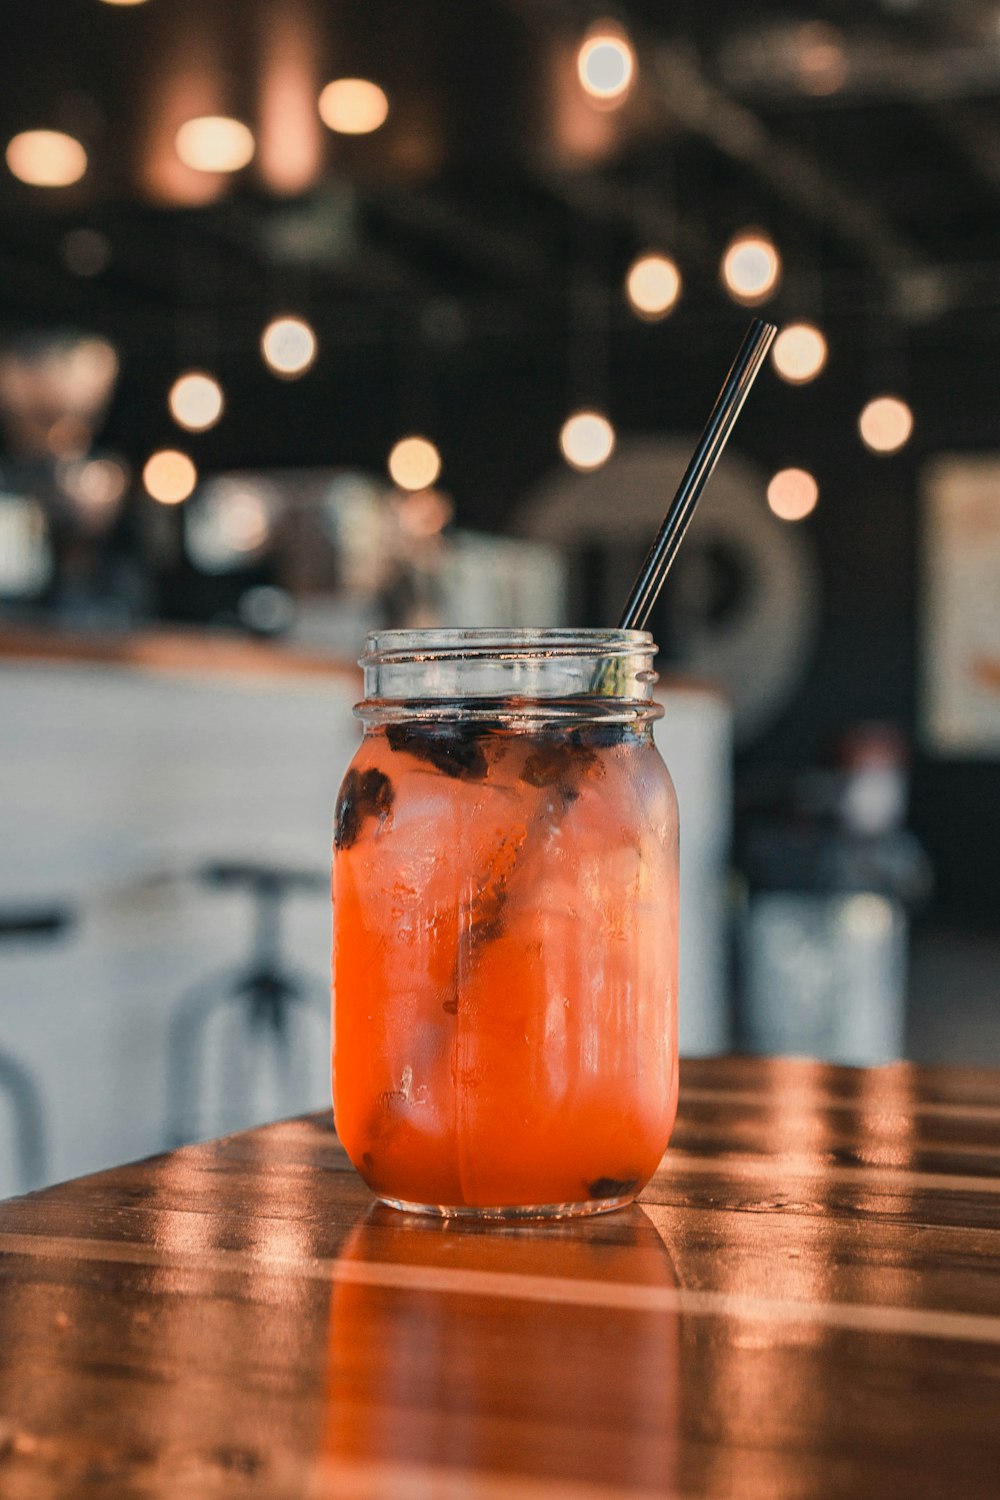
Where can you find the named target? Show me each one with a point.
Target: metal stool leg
(30, 1121)
(185, 1049)
(265, 991)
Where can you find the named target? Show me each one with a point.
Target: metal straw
(704, 459)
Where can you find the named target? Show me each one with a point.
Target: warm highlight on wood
(806, 1304)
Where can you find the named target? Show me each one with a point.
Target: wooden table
(806, 1303)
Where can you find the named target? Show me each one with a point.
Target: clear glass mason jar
(505, 924)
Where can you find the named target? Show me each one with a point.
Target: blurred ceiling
(497, 201)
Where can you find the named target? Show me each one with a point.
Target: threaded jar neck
(520, 664)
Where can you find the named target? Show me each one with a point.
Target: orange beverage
(505, 926)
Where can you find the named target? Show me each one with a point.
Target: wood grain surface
(806, 1303)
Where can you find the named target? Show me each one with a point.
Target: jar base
(512, 1213)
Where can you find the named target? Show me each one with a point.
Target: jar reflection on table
(524, 1350)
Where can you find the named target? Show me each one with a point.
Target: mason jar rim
(519, 643)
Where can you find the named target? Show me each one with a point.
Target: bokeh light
(792, 494)
(290, 144)
(821, 58)
(652, 286)
(46, 158)
(266, 609)
(605, 64)
(414, 463)
(196, 401)
(96, 486)
(214, 143)
(85, 252)
(98, 482)
(169, 476)
(587, 440)
(124, 2)
(799, 353)
(423, 513)
(353, 106)
(289, 346)
(751, 268)
(885, 424)
(228, 523)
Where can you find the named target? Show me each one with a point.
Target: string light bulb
(414, 463)
(587, 440)
(792, 494)
(353, 106)
(885, 424)
(751, 268)
(653, 285)
(196, 401)
(799, 353)
(289, 347)
(215, 143)
(606, 64)
(169, 476)
(46, 158)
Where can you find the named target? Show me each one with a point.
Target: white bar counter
(128, 764)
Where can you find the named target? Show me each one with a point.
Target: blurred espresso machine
(61, 500)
